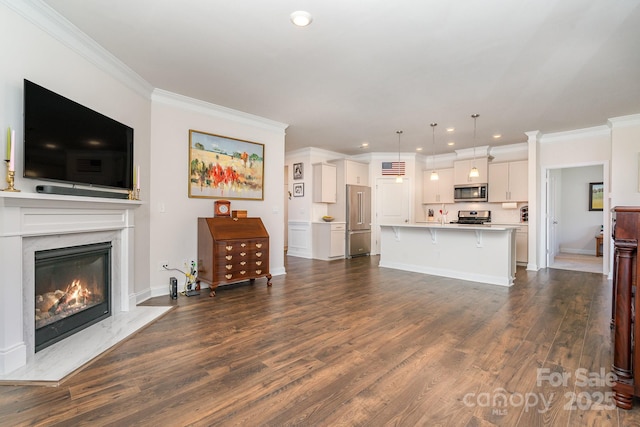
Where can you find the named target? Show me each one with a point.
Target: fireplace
(72, 290)
(33, 222)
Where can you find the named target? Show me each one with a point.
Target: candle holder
(134, 194)
(10, 178)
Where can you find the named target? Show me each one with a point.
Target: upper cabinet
(440, 191)
(508, 182)
(461, 169)
(350, 172)
(324, 183)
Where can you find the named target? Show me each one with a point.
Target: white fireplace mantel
(33, 221)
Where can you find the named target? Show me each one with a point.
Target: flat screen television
(69, 143)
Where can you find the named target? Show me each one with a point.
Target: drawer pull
(258, 271)
(228, 276)
(243, 272)
(258, 254)
(228, 257)
(243, 253)
(243, 244)
(229, 266)
(258, 262)
(258, 245)
(229, 247)
(243, 262)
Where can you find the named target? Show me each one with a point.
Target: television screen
(68, 142)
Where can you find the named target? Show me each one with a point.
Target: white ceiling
(364, 69)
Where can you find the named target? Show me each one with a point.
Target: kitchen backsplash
(499, 215)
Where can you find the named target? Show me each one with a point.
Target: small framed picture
(297, 171)
(596, 196)
(298, 189)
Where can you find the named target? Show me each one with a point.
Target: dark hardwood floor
(348, 343)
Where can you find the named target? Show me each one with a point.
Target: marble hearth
(31, 222)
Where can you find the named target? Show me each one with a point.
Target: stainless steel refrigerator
(358, 220)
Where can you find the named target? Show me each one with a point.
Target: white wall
(56, 55)
(30, 50)
(578, 225)
(173, 215)
(625, 161)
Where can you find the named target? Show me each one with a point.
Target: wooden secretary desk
(626, 306)
(232, 250)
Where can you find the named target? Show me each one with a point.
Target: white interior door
(553, 175)
(392, 205)
(285, 193)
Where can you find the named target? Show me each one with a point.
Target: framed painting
(298, 189)
(298, 172)
(596, 196)
(223, 167)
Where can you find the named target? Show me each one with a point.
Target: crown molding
(519, 148)
(214, 110)
(467, 153)
(602, 130)
(624, 121)
(48, 20)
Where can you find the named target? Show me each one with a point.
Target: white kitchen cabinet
(440, 191)
(328, 240)
(348, 172)
(324, 183)
(508, 182)
(461, 169)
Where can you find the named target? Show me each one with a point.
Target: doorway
(572, 227)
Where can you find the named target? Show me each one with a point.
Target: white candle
(12, 156)
(138, 177)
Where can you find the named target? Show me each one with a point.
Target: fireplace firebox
(72, 290)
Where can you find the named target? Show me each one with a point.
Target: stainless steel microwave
(470, 193)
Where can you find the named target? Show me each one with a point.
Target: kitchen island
(478, 253)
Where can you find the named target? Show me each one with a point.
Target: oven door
(470, 193)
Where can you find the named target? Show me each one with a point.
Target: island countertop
(437, 225)
(479, 253)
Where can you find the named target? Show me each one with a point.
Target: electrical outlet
(164, 265)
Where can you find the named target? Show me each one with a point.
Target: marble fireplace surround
(30, 222)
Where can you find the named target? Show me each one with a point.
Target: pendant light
(434, 172)
(473, 173)
(399, 177)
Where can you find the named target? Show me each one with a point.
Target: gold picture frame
(224, 167)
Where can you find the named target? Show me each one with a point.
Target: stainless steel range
(473, 217)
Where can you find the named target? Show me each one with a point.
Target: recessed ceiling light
(364, 145)
(496, 136)
(419, 149)
(450, 143)
(450, 129)
(301, 18)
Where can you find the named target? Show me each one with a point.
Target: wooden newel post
(623, 389)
